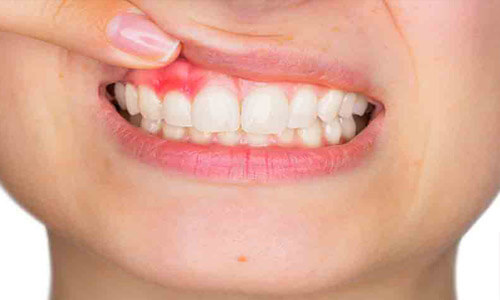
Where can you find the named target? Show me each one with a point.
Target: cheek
(451, 134)
(27, 126)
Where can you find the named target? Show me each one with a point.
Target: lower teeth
(340, 131)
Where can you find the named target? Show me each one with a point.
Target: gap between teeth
(266, 116)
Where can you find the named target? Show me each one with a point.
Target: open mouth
(208, 124)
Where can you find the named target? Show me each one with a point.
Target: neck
(79, 274)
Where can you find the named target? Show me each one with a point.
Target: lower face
(212, 175)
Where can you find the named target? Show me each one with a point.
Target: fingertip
(170, 57)
(138, 36)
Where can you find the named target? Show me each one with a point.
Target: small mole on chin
(242, 258)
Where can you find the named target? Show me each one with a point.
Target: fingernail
(136, 35)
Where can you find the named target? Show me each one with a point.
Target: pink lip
(239, 164)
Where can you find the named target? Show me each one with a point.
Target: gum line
(190, 79)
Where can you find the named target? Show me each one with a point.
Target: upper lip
(278, 64)
(269, 58)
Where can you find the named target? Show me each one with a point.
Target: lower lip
(241, 163)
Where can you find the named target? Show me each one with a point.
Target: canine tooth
(199, 137)
(333, 132)
(265, 111)
(216, 109)
(303, 108)
(151, 126)
(286, 136)
(329, 105)
(132, 99)
(347, 106)
(149, 103)
(173, 132)
(120, 95)
(348, 128)
(177, 109)
(257, 140)
(311, 136)
(360, 105)
(228, 138)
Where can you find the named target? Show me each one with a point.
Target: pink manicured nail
(136, 35)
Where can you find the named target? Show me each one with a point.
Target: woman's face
(428, 167)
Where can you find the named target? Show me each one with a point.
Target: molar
(216, 109)
(303, 108)
(265, 111)
(177, 109)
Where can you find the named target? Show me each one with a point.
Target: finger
(112, 31)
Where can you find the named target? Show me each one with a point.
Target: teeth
(177, 109)
(311, 136)
(229, 138)
(286, 137)
(303, 108)
(329, 105)
(347, 105)
(257, 140)
(149, 103)
(216, 109)
(151, 126)
(265, 111)
(173, 132)
(266, 117)
(360, 105)
(348, 128)
(199, 137)
(120, 95)
(132, 99)
(333, 132)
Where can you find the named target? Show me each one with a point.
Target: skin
(389, 229)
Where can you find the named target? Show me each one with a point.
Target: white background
(24, 256)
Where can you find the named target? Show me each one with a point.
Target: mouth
(204, 123)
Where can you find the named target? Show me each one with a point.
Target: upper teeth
(303, 108)
(132, 99)
(267, 109)
(329, 105)
(149, 103)
(177, 109)
(216, 109)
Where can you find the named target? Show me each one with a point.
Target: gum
(188, 78)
